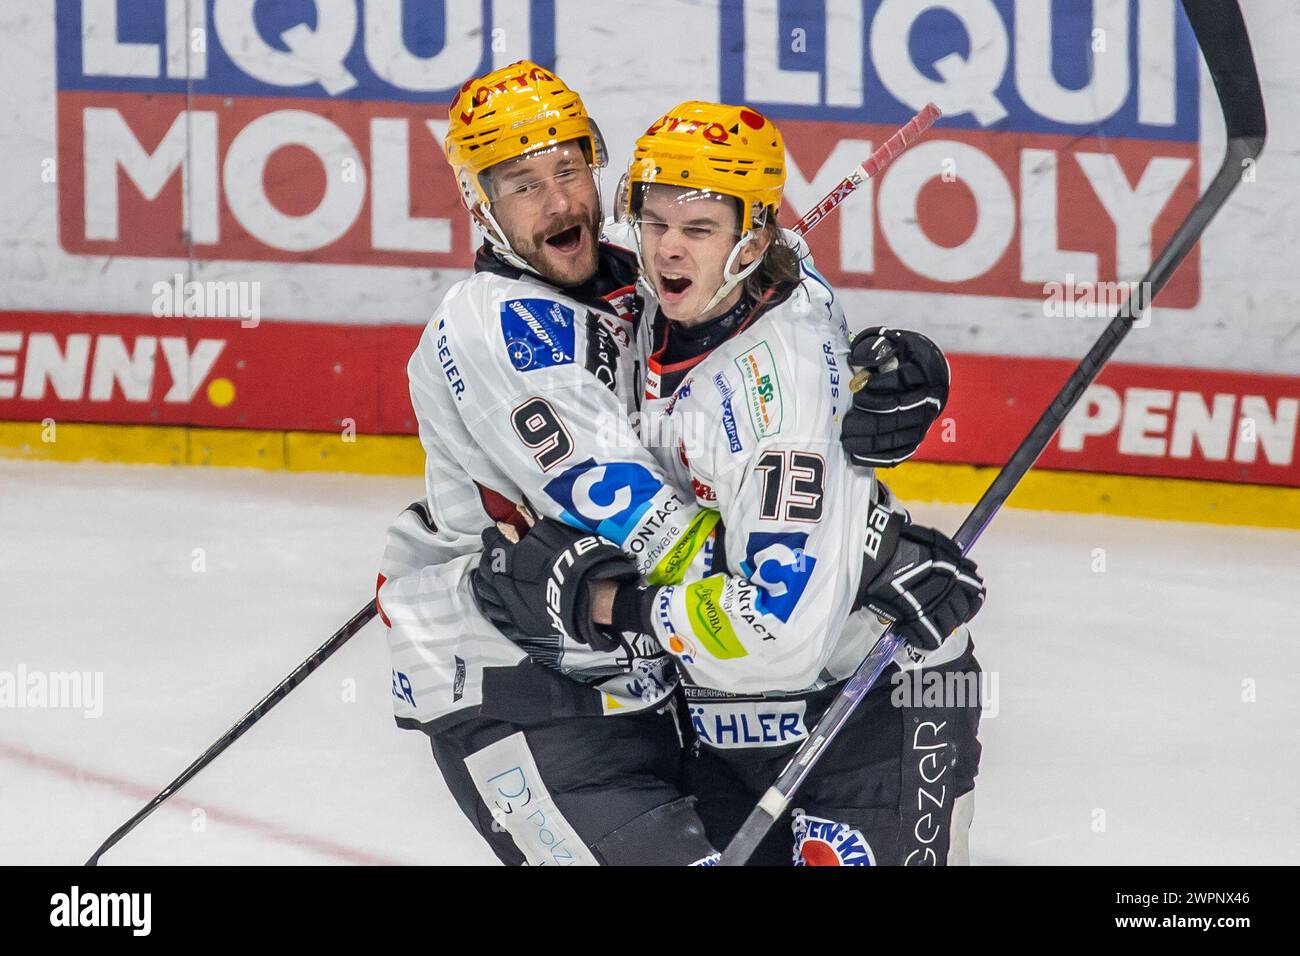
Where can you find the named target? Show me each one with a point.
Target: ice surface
(1120, 734)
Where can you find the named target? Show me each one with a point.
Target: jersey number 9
(538, 427)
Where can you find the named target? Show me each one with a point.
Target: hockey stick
(260, 710)
(908, 134)
(1221, 34)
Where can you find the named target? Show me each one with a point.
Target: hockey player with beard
(562, 748)
(745, 388)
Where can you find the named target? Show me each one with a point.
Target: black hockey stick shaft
(260, 710)
(1221, 35)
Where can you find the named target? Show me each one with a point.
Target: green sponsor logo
(672, 566)
(708, 621)
(762, 389)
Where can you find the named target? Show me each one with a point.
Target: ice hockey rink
(1143, 710)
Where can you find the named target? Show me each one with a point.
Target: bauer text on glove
(542, 583)
(918, 577)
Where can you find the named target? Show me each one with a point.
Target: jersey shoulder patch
(538, 333)
(727, 407)
(760, 389)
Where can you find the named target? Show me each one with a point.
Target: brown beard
(538, 240)
(594, 223)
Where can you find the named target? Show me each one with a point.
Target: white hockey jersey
(754, 431)
(523, 392)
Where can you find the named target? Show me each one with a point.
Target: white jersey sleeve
(440, 645)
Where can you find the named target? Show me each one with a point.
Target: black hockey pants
(896, 787)
(593, 790)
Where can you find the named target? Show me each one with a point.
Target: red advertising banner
(206, 372)
(1001, 213)
(1136, 419)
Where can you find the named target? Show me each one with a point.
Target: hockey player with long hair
(745, 387)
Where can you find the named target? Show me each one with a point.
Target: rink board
(230, 242)
(1136, 419)
(1175, 499)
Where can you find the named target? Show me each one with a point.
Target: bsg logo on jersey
(231, 129)
(1069, 141)
(609, 499)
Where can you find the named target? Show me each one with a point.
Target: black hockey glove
(539, 585)
(918, 577)
(905, 390)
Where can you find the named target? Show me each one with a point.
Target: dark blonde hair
(780, 263)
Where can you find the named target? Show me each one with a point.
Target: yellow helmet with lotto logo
(511, 112)
(730, 150)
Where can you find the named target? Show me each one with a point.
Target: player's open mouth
(672, 286)
(566, 241)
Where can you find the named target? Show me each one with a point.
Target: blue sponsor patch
(778, 564)
(538, 333)
(608, 499)
(728, 416)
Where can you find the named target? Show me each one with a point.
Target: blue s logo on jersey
(778, 564)
(608, 499)
(538, 333)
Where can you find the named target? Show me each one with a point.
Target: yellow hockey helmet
(511, 112)
(731, 150)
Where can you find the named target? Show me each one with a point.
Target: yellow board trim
(1166, 499)
(1172, 499)
(221, 447)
